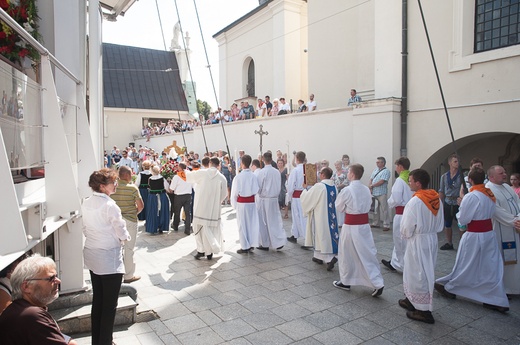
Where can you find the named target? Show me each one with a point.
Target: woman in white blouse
(105, 232)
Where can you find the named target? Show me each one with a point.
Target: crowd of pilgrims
(319, 212)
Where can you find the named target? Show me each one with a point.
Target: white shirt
(311, 105)
(286, 107)
(105, 230)
(125, 162)
(180, 187)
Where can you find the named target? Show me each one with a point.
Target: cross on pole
(261, 132)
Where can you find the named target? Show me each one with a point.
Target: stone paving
(282, 297)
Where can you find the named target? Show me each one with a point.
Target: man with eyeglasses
(125, 161)
(26, 320)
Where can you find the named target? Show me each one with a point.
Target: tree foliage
(203, 108)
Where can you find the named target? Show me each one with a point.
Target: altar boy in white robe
(478, 270)
(357, 259)
(401, 194)
(319, 204)
(243, 191)
(423, 218)
(294, 190)
(271, 229)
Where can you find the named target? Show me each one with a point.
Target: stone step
(74, 319)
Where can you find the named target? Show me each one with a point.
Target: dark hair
(477, 175)
(382, 159)
(300, 156)
(404, 162)
(104, 176)
(183, 166)
(327, 172)
(268, 157)
(256, 163)
(345, 156)
(452, 156)
(357, 170)
(205, 161)
(421, 176)
(476, 160)
(246, 160)
(214, 161)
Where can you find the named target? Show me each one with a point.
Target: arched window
(250, 87)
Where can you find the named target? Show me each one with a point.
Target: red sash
(484, 225)
(356, 219)
(399, 209)
(246, 199)
(296, 194)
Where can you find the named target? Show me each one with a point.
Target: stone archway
(511, 159)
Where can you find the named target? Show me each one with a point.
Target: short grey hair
(29, 268)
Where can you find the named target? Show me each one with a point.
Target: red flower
(23, 52)
(23, 13)
(4, 5)
(5, 49)
(2, 34)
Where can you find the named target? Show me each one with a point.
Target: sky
(141, 27)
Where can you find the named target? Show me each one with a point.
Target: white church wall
(341, 50)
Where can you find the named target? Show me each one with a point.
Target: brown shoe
(131, 280)
(420, 315)
(440, 289)
(406, 304)
(386, 229)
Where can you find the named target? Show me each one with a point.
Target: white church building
(292, 48)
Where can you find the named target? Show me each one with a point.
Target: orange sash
(430, 199)
(182, 175)
(487, 192)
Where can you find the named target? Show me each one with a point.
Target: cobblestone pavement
(282, 297)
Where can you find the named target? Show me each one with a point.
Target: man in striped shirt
(129, 200)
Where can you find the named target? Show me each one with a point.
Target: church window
(497, 24)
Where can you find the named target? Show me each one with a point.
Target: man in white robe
(272, 233)
(210, 191)
(478, 270)
(423, 218)
(243, 191)
(507, 208)
(294, 190)
(401, 194)
(357, 252)
(319, 204)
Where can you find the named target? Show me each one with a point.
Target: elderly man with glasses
(26, 320)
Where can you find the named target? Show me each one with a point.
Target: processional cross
(261, 132)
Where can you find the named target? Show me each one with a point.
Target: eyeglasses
(50, 279)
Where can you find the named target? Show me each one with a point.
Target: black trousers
(106, 292)
(182, 201)
(171, 196)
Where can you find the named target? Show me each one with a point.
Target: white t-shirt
(311, 105)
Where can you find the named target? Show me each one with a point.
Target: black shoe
(406, 304)
(307, 247)
(279, 248)
(388, 265)
(210, 256)
(174, 228)
(291, 239)
(199, 255)
(440, 289)
(420, 315)
(187, 232)
(330, 265)
(243, 251)
(318, 261)
(340, 285)
(446, 246)
(496, 307)
(377, 292)
(262, 248)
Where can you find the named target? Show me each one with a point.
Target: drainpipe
(404, 79)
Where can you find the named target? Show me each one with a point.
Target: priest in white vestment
(507, 208)
(210, 190)
(357, 252)
(272, 233)
(243, 191)
(478, 270)
(294, 190)
(319, 204)
(401, 194)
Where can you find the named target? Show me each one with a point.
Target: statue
(176, 34)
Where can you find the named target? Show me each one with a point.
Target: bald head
(497, 174)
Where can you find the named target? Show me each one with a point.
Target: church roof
(243, 18)
(141, 78)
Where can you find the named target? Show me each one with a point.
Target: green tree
(203, 108)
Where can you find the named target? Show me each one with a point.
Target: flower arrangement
(12, 46)
(169, 170)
